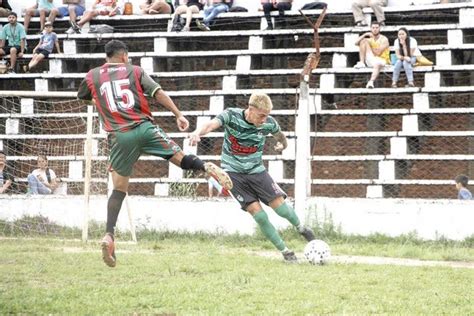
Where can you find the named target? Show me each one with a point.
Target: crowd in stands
(374, 47)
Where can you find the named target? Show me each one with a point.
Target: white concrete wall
(430, 219)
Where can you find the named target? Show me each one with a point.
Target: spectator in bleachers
(189, 7)
(6, 178)
(13, 34)
(377, 7)
(211, 12)
(373, 52)
(100, 7)
(42, 8)
(47, 42)
(461, 184)
(72, 8)
(274, 5)
(157, 7)
(406, 48)
(5, 8)
(42, 180)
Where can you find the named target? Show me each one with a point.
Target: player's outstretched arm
(166, 101)
(281, 141)
(195, 137)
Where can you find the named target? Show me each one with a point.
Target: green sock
(286, 211)
(268, 229)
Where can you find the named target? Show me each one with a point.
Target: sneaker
(70, 30)
(307, 233)
(289, 256)
(269, 28)
(361, 24)
(410, 85)
(185, 29)
(11, 71)
(202, 26)
(220, 175)
(370, 84)
(359, 65)
(108, 250)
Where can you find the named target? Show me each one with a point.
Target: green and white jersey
(243, 141)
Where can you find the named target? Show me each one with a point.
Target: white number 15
(118, 94)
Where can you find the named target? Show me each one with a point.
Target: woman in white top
(406, 49)
(42, 180)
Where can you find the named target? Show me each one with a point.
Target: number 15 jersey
(118, 91)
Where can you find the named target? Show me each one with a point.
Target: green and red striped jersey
(118, 91)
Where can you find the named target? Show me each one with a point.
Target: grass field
(186, 274)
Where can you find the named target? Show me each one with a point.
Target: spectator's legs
(377, 7)
(282, 7)
(159, 7)
(35, 186)
(42, 14)
(363, 47)
(28, 14)
(408, 66)
(189, 16)
(72, 14)
(13, 54)
(52, 15)
(88, 15)
(267, 8)
(176, 17)
(396, 71)
(357, 6)
(214, 12)
(37, 58)
(376, 71)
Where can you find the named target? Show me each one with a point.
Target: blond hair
(261, 101)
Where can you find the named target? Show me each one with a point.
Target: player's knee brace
(192, 162)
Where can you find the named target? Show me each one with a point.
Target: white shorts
(372, 61)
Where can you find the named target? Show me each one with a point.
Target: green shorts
(146, 138)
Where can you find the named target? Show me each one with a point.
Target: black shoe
(289, 256)
(307, 233)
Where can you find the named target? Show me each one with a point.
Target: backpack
(238, 9)
(101, 29)
(315, 6)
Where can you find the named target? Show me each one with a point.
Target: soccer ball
(317, 252)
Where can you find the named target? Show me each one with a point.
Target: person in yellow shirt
(374, 52)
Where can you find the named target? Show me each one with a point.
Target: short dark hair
(13, 13)
(374, 22)
(463, 179)
(114, 47)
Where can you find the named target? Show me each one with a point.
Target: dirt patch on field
(378, 260)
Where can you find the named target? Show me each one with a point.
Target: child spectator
(273, 5)
(406, 48)
(42, 180)
(100, 7)
(6, 178)
(373, 52)
(48, 40)
(15, 37)
(377, 7)
(72, 8)
(461, 184)
(189, 7)
(210, 13)
(157, 7)
(5, 8)
(41, 8)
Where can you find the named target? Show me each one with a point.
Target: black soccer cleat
(289, 256)
(307, 233)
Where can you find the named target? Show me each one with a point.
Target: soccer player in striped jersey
(245, 132)
(119, 91)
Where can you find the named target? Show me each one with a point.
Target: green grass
(219, 275)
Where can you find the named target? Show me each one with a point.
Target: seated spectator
(273, 5)
(405, 49)
(461, 184)
(42, 180)
(13, 34)
(100, 7)
(189, 7)
(72, 8)
(377, 7)
(157, 7)
(48, 40)
(210, 13)
(6, 178)
(42, 8)
(373, 52)
(5, 8)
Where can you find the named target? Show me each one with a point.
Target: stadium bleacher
(401, 143)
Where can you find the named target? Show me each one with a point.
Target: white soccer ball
(317, 252)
